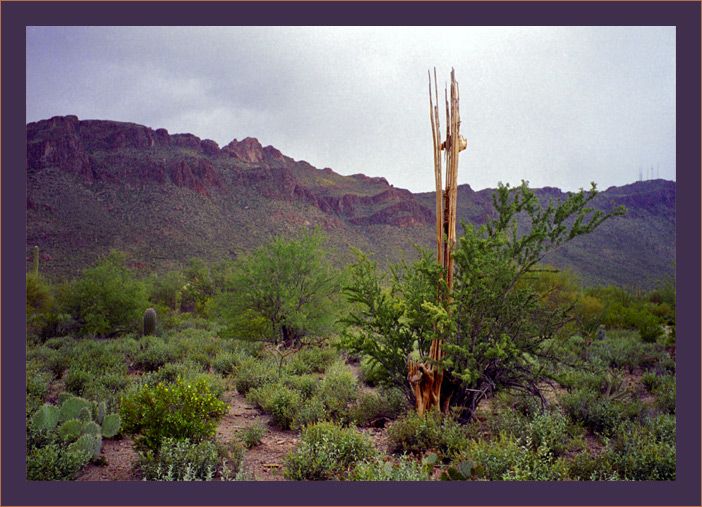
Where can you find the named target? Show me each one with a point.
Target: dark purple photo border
(684, 15)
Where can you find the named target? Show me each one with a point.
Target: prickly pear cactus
(70, 430)
(72, 408)
(149, 322)
(46, 418)
(89, 443)
(111, 425)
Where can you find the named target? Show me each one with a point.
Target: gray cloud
(559, 106)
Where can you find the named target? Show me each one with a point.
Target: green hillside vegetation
(272, 324)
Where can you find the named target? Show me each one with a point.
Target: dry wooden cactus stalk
(425, 377)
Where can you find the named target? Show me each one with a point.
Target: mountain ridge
(163, 198)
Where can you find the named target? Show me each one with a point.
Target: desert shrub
(338, 390)
(170, 372)
(373, 373)
(48, 359)
(312, 360)
(665, 393)
(549, 430)
(372, 405)
(495, 456)
(181, 460)
(251, 373)
(251, 435)
(402, 468)
(536, 465)
(38, 384)
(56, 462)
(154, 353)
(179, 410)
(281, 402)
(306, 385)
(645, 452)
(594, 412)
(327, 451)
(106, 299)
(78, 380)
(593, 466)
(225, 363)
(433, 431)
(310, 412)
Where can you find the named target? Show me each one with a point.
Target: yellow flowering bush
(181, 410)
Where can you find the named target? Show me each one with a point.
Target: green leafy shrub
(154, 353)
(225, 363)
(327, 451)
(312, 360)
(373, 373)
(665, 394)
(593, 466)
(251, 435)
(306, 385)
(281, 402)
(586, 407)
(550, 430)
(310, 412)
(536, 465)
(78, 380)
(372, 405)
(107, 299)
(403, 468)
(182, 460)
(177, 410)
(495, 457)
(338, 390)
(251, 373)
(433, 431)
(55, 462)
(644, 453)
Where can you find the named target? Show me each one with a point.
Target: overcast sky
(557, 106)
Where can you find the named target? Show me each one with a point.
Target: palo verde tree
(495, 332)
(107, 299)
(283, 291)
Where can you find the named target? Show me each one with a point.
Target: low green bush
(373, 405)
(327, 451)
(154, 354)
(433, 431)
(538, 464)
(179, 410)
(495, 457)
(312, 360)
(281, 402)
(252, 373)
(251, 435)
(307, 385)
(182, 460)
(402, 468)
(56, 462)
(338, 391)
(645, 452)
(549, 429)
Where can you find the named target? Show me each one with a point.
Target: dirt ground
(264, 461)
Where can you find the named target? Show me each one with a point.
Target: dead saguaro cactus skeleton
(425, 377)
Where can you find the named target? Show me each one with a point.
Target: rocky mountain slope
(163, 198)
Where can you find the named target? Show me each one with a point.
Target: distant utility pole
(425, 377)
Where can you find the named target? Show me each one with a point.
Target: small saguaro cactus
(149, 322)
(35, 261)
